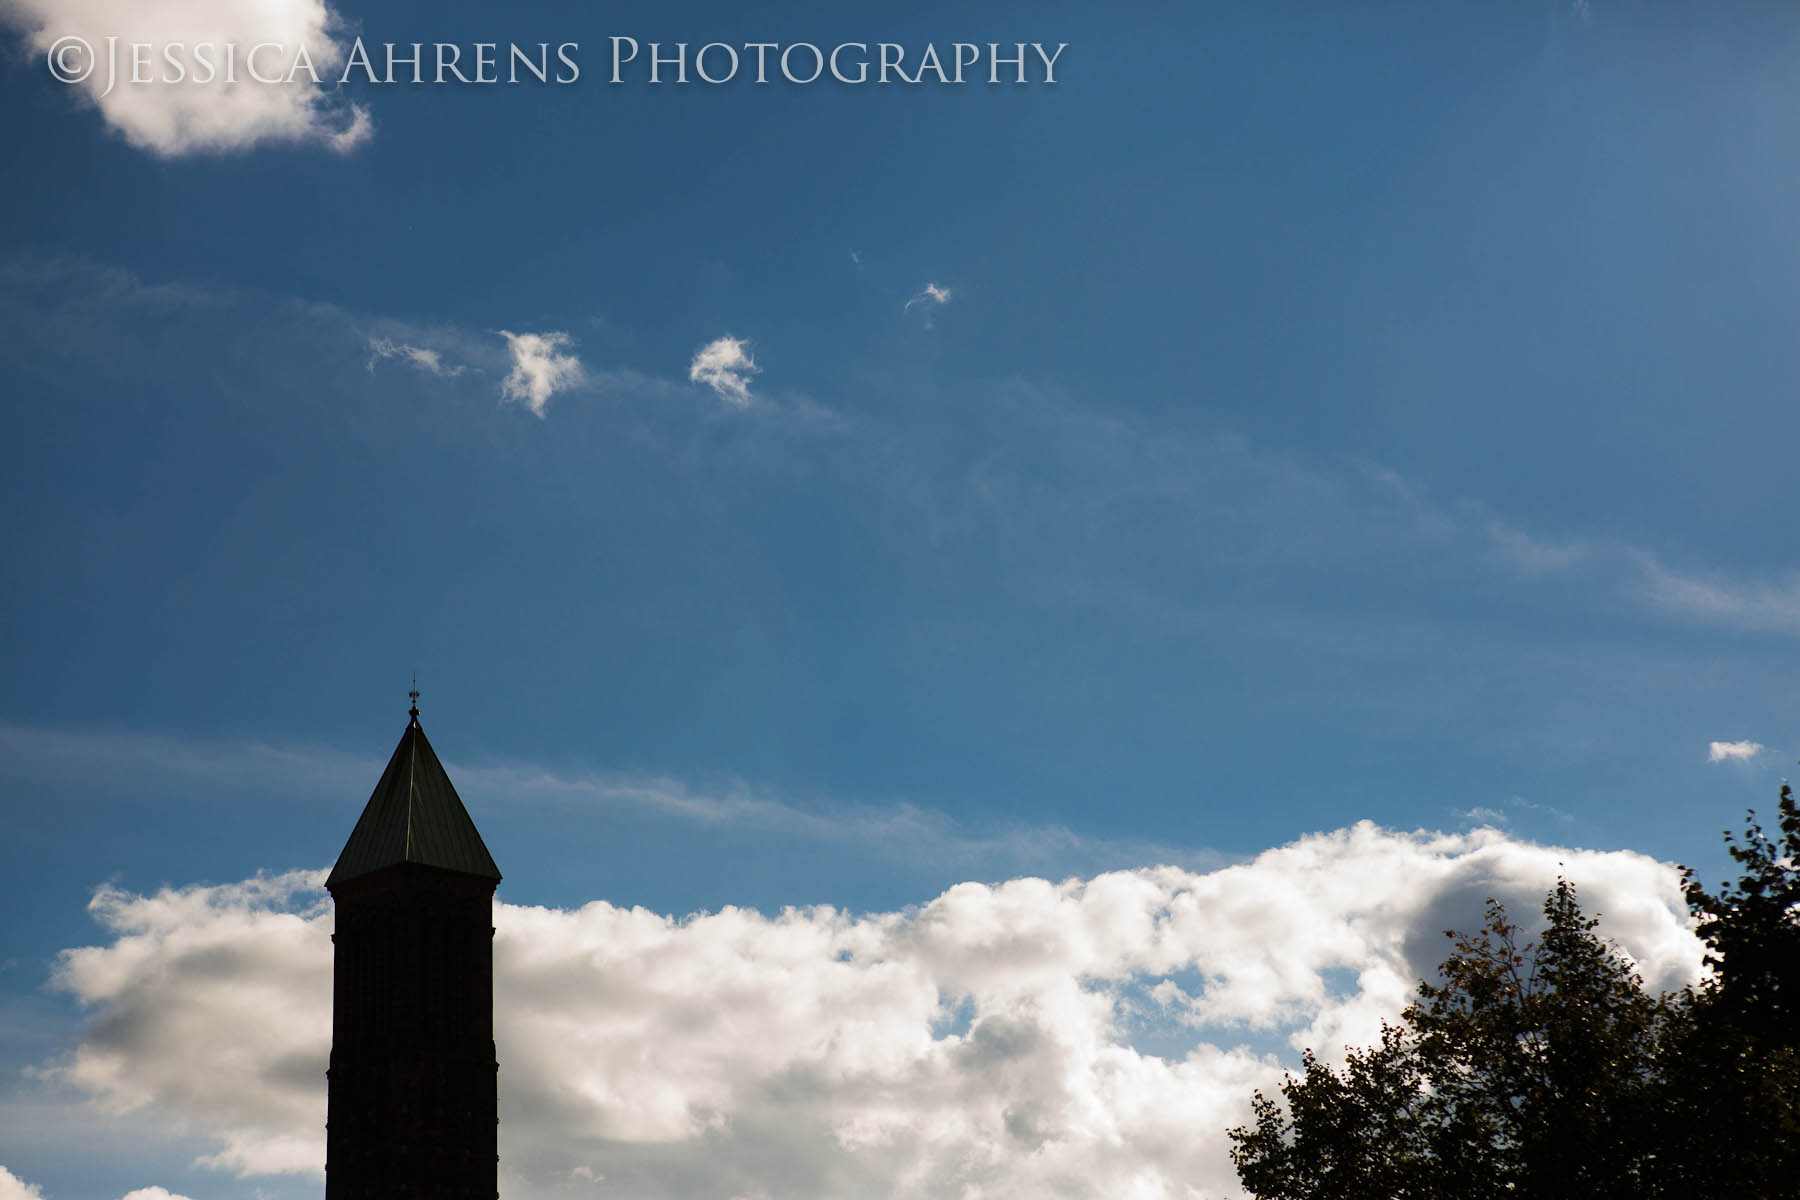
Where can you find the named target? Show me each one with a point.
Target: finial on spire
(413, 712)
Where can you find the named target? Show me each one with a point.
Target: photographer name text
(116, 62)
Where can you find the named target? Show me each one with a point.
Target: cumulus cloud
(725, 366)
(1733, 751)
(14, 1188)
(1088, 1038)
(186, 117)
(232, 974)
(540, 368)
(420, 357)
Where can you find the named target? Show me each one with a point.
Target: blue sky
(1295, 415)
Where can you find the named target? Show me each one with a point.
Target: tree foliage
(1731, 1119)
(1752, 931)
(1503, 1077)
(1544, 1070)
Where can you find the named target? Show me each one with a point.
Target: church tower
(413, 1073)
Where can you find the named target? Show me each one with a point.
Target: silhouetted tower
(413, 1072)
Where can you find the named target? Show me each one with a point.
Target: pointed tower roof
(414, 816)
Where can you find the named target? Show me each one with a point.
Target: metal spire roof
(414, 816)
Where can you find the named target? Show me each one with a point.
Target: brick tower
(413, 1072)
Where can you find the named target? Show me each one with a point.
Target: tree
(1546, 1071)
(1527, 1070)
(1752, 931)
(1358, 1136)
(1731, 1067)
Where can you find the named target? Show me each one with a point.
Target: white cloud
(932, 296)
(725, 366)
(1733, 751)
(986, 1043)
(931, 293)
(176, 118)
(540, 368)
(426, 360)
(14, 1188)
(231, 975)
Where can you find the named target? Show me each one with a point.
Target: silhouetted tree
(1546, 1071)
(1752, 930)
(1731, 1067)
(1527, 1071)
(1361, 1135)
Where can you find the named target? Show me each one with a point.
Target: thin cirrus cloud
(1758, 605)
(541, 367)
(1085, 1039)
(171, 119)
(109, 323)
(1733, 751)
(725, 366)
(902, 832)
(420, 357)
(1531, 555)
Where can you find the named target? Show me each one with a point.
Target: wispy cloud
(1762, 606)
(932, 296)
(541, 367)
(1532, 555)
(111, 322)
(1769, 604)
(426, 360)
(905, 832)
(1114, 482)
(170, 119)
(1549, 810)
(725, 366)
(1488, 815)
(1733, 751)
(931, 293)
(114, 323)
(109, 758)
